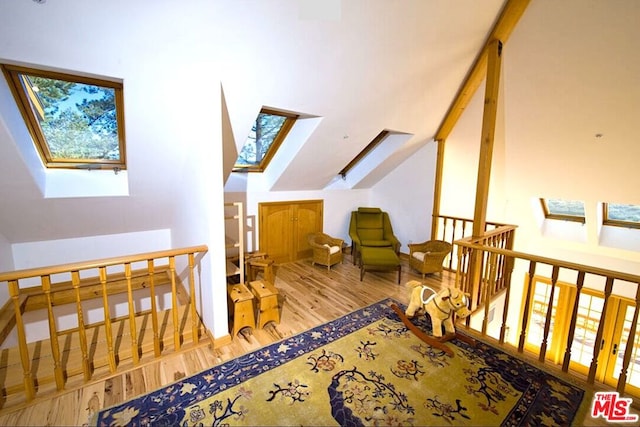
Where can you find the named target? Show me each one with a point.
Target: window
(567, 210)
(621, 215)
(267, 133)
(75, 121)
(377, 140)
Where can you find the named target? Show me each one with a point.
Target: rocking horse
(441, 307)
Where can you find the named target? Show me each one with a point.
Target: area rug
(365, 368)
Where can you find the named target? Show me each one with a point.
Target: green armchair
(371, 227)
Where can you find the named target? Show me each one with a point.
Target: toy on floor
(440, 306)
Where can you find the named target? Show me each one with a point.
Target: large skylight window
(75, 121)
(621, 215)
(567, 210)
(267, 133)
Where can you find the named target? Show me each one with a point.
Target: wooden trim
(437, 188)
(104, 262)
(366, 150)
(507, 21)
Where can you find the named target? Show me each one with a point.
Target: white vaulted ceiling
(376, 64)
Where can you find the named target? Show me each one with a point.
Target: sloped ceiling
(378, 64)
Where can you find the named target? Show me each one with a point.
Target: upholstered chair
(327, 250)
(427, 257)
(371, 227)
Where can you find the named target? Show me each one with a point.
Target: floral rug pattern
(365, 368)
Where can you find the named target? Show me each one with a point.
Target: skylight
(267, 133)
(567, 210)
(621, 215)
(366, 150)
(75, 121)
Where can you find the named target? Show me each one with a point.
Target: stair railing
(79, 290)
(493, 255)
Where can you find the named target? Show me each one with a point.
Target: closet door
(284, 227)
(307, 219)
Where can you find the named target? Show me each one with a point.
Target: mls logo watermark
(610, 406)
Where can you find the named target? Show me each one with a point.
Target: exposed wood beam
(509, 17)
(488, 132)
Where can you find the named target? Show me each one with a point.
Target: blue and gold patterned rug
(365, 368)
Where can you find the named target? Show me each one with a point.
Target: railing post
(75, 282)
(29, 389)
(107, 319)
(174, 304)
(574, 319)
(154, 308)
(195, 323)
(547, 322)
(135, 354)
(596, 348)
(53, 333)
(527, 304)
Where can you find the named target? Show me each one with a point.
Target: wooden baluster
(107, 319)
(444, 230)
(86, 367)
(195, 323)
(574, 319)
(453, 239)
(174, 304)
(596, 348)
(53, 333)
(547, 322)
(527, 306)
(154, 308)
(29, 389)
(628, 351)
(508, 269)
(135, 352)
(487, 293)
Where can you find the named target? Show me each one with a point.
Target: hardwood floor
(309, 296)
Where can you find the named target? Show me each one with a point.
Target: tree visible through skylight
(266, 135)
(75, 121)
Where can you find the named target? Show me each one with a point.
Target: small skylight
(76, 122)
(621, 215)
(267, 133)
(366, 150)
(566, 210)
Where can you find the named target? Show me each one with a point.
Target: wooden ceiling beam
(509, 17)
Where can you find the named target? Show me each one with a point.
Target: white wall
(338, 205)
(6, 264)
(407, 195)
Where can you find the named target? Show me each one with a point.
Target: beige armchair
(327, 250)
(427, 257)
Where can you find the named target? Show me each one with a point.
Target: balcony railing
(76, 284)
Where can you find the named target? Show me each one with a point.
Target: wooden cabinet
(284, 227)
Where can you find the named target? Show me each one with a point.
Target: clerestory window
(76, 122)
(560, 209)
(267, 134)
(621, 215)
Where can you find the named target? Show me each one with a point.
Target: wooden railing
(451, 228)
(492, 272)
(37, 288)
(500, 259)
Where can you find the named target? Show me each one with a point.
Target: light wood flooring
(310, 296)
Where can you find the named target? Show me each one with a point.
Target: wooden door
(284, 227)
(307, 219)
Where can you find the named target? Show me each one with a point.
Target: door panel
(308, 219)
(276, 232)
